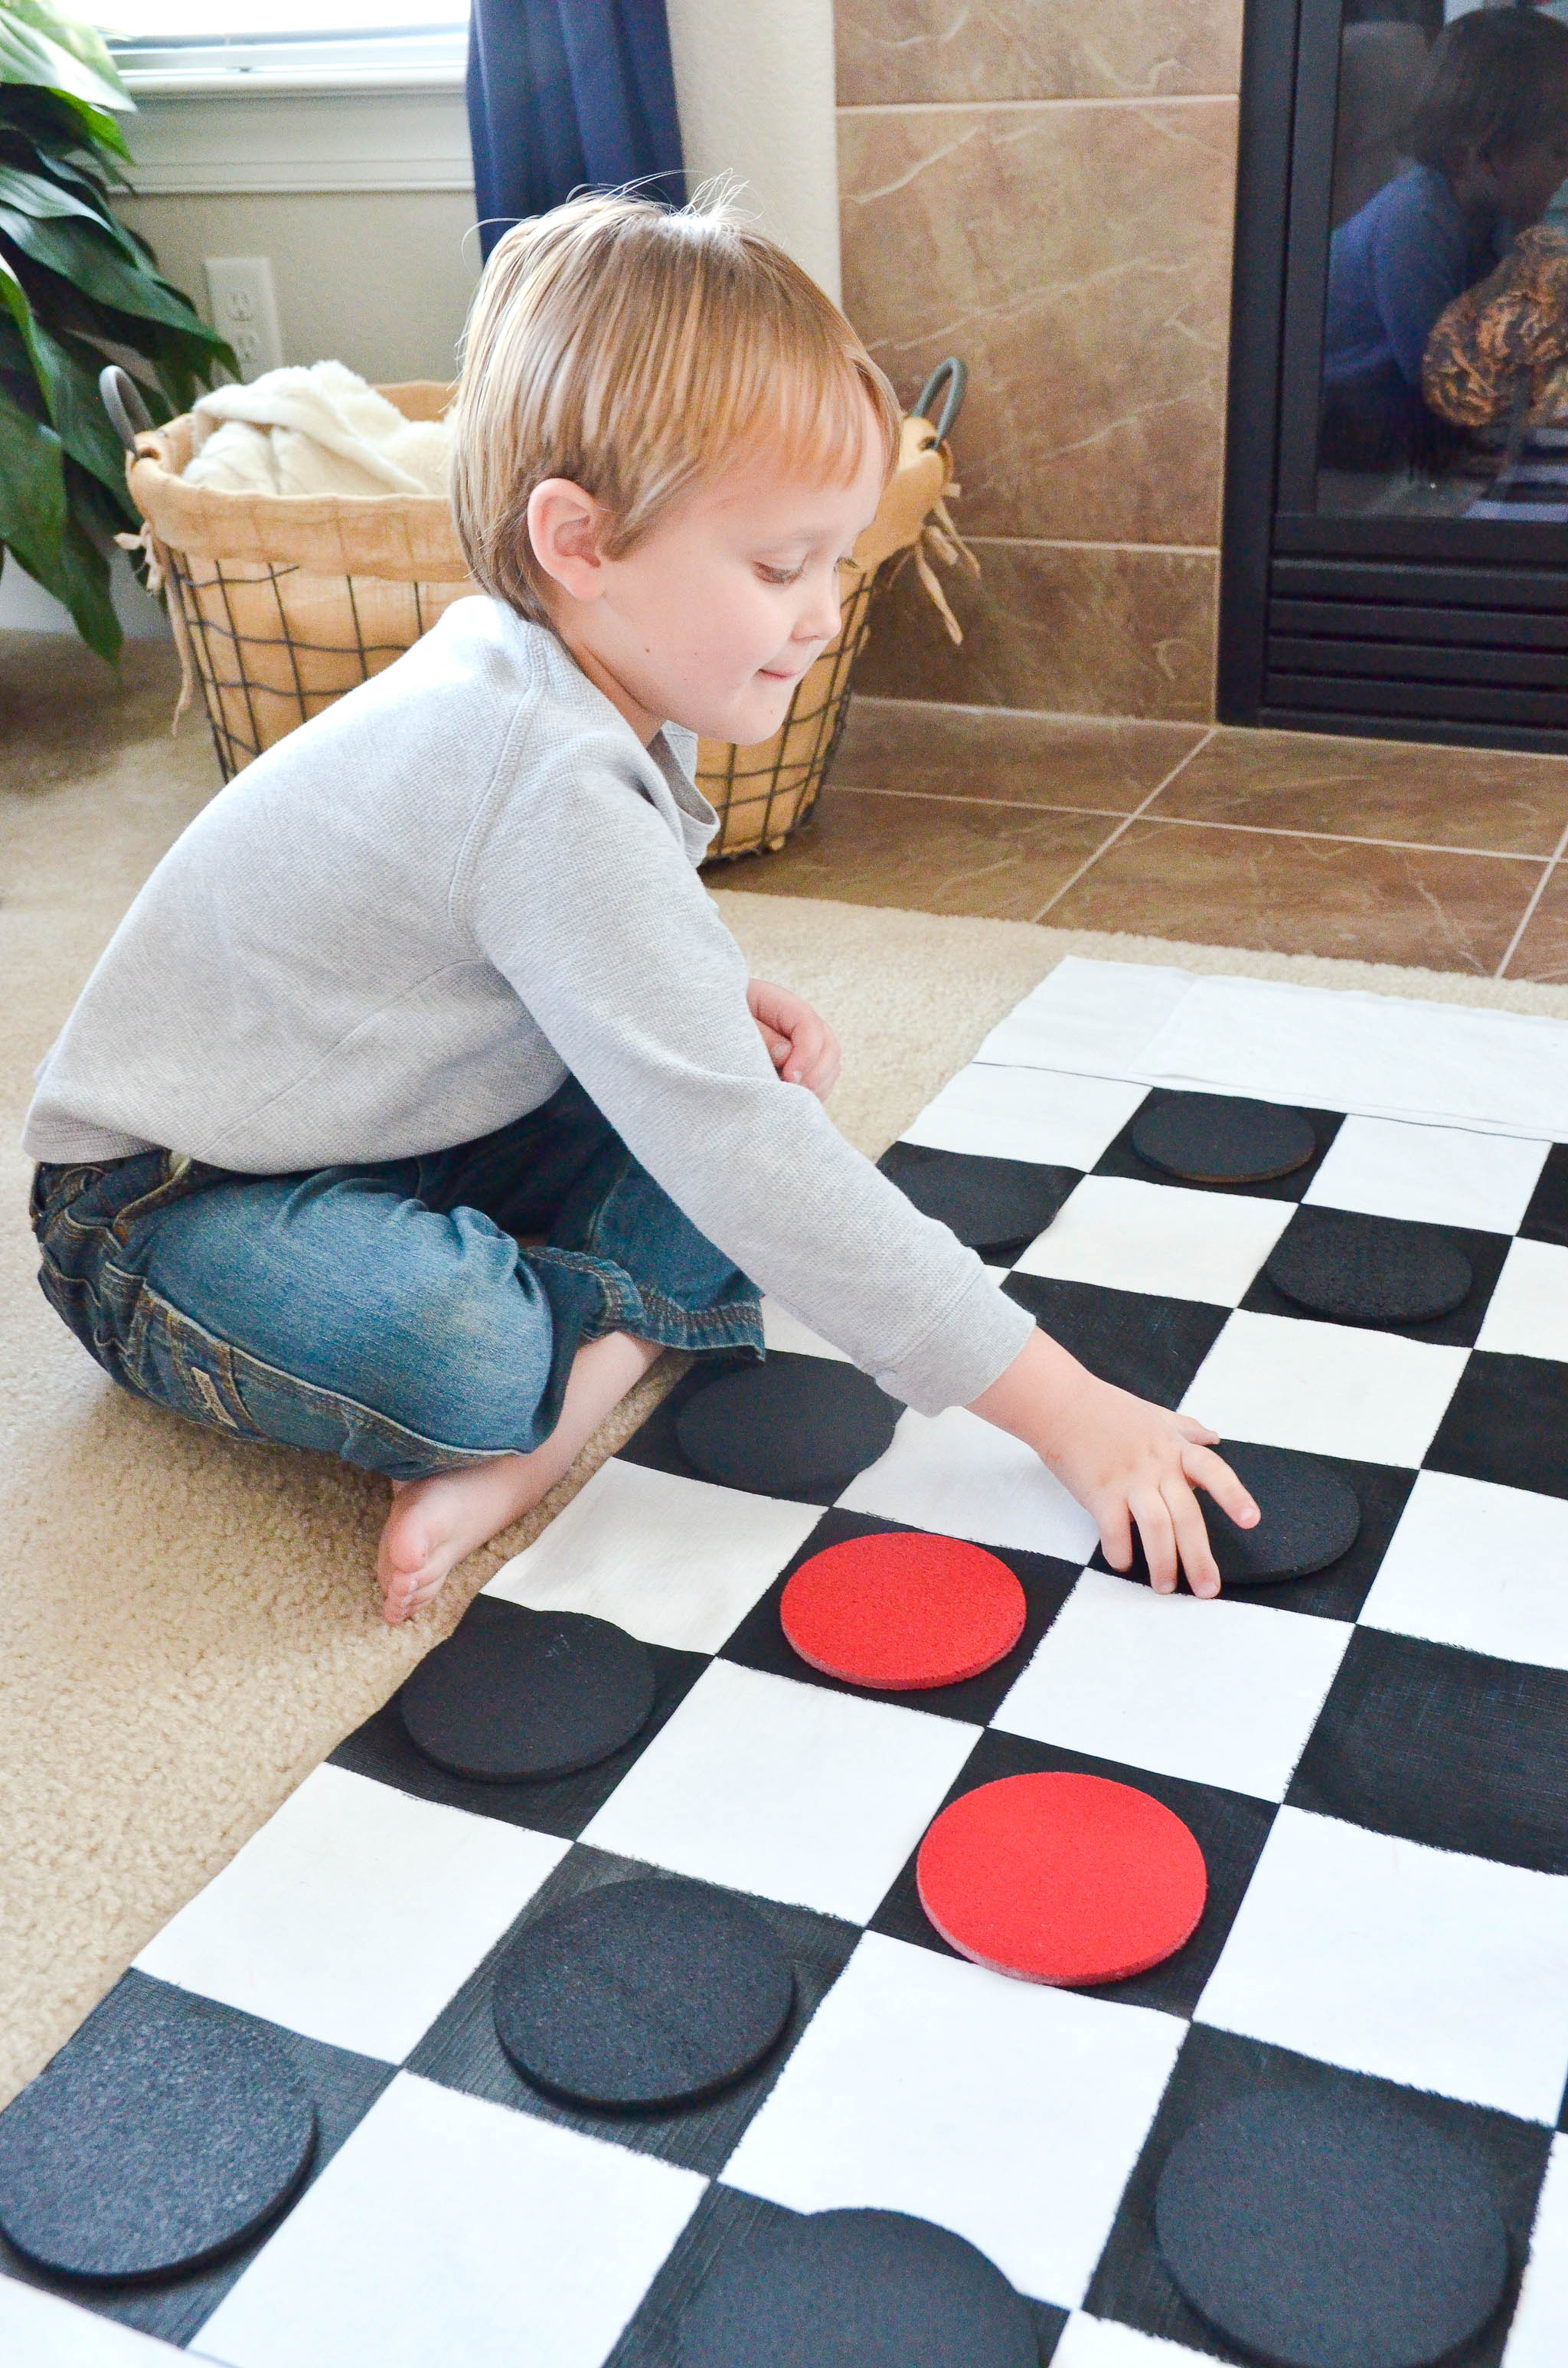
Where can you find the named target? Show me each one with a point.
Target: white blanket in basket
(320, 430)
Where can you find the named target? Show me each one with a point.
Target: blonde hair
(637, 350)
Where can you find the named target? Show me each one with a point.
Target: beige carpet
(189, 1626)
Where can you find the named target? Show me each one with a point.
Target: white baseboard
(26, 608)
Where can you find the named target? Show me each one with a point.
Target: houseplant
(77, 289)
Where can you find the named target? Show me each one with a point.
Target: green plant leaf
(32, 492)
(54, 119)
(39, 47)
(45, 197)
(76, 245)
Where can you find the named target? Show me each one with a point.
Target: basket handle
(121, 397)
(951, 375)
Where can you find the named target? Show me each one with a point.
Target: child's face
(714, 619)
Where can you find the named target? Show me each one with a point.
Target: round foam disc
(1359, 1269)
(795, 1426)
(988, 1202)
(1332, 2232)
(514, 1696)
(903, 1611)
(645, 1993)
(855, 2290)
(1218, 1139)
(1311, 1517)
(165, 2134)
(1063, 1879)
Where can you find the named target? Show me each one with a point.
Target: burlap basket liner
(281, 603)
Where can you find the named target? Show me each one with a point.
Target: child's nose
(823, 616)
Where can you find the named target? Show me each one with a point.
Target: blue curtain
(564, 93)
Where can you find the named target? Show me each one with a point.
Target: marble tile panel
(1377, 789)
(1542, 952)
(1077, 628)
(924, 50)
(1078, 258)
(1303, 896)
(926, 855)
(1101, 765)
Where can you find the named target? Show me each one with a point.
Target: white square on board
(40, 2330)
(1097, 1016)
(1007, 2111)
(1432, 1175)
(1330, 1389)
(448, 2229)
(676, 1562)
(1051, 1116)
(1477, 1565)
(1223, 1691)
(784, 1333)
(354, 1913)
(1417, 1965)
(1088, 2342)
(1158, 1237)
(1527, 1314)
(787, 1790)
(1538, 2335)
(964, 1478)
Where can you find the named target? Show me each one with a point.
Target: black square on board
(1143, 1343)
(561, 1805)
(1215, 2069)
(1546, 1219)
(727, 2216)
(979, 1191)
(1507, 1421)
(461, 2051)
(759, 1642)
(1119, 1157)
(1443, 1746)
(343, 2087)
(1338, 1592)
(1486, 1252)
(1229, 1828)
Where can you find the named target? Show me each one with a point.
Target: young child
(438, 971)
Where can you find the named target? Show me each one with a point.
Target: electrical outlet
(245, 310)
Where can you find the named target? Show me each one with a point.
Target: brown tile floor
(1455, 858)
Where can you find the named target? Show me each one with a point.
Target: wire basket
(281, 603)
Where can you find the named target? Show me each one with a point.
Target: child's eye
(781, 575)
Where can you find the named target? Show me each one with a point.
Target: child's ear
(565, 526)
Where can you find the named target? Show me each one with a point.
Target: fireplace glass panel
(1443, 383)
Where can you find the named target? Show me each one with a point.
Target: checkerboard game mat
(1371, 1759)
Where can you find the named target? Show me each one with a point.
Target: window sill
(254, 134)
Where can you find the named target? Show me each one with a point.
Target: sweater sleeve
(575, 888)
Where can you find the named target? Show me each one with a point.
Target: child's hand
(802, 1047)
(1124, 1460)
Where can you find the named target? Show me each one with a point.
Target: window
(166, 45)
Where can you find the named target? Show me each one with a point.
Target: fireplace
(1396, 544)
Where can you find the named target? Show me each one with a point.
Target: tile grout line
(1527, 916)
(1202, 822)
(1125, 825)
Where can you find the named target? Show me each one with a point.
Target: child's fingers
(1115, 1536)
(1191, 1538)
(1198, 1433)
(1157, 1531)
(1205, 1470)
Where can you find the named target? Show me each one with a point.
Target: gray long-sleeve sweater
(401, 928)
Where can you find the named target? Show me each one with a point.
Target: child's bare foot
(435, 1523)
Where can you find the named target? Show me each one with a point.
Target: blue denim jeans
(383, 1314)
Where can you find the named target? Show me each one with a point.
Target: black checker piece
(792, 1427)
(650, 1993)
(1319, 2232)
(1357, 1270)
(163, 2134)
(1219, 1139)
(996, 1205)
(516, 1696)
(856, 2290)
(1311, 1517)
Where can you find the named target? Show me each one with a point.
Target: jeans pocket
(160, 1354)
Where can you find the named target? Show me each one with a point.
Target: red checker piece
(1063, 1879)
(901, 1611)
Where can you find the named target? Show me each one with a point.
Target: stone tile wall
(1045, 187)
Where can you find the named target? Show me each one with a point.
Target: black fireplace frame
(1378, 627)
